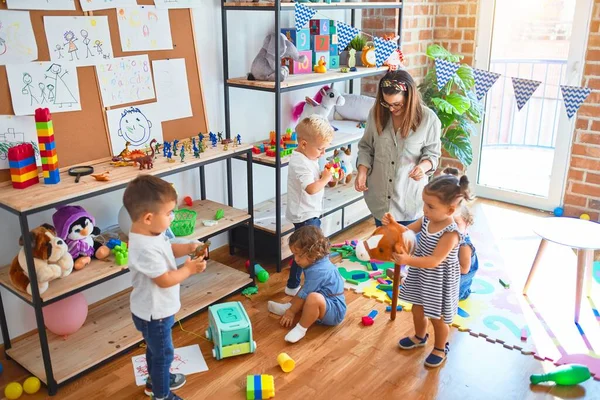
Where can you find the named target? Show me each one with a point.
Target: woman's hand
(287, 319)
(360, 183)
(417, 173)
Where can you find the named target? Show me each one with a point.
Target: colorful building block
(43, 115)
(389, 308)
(319, 27)
(333, 49)
(23, 170)
(46, 139)
(47, 146)
(319, 43)
(334, 39)
(299, 37)
(290, 34)
(21, 161)
(334, 61)
(45, 134)
(260, 387)
(299, 68)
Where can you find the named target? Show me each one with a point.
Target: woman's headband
(398, 85)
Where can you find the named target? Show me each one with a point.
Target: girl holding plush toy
(433, 280)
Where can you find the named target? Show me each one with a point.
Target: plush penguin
(77, 228)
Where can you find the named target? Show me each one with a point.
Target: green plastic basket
(184, 222)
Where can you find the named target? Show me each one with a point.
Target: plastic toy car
(230, 330)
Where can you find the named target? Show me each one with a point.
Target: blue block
(334, 61)
(50, 146)
(21, 163)
(333, 49)
(290, 33)
(257, 387)
(373, 314)
(54, 178)
(302, 39)
(389, 308)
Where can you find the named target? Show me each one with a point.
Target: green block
(332, 29)
(43, 125)
(44, 160)
(219, 214)
(250, 387)
(385, 287)
(352, 281)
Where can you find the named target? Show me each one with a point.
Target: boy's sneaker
(176, 382)
(171, 396)
(292, 292)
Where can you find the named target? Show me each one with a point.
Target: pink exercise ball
(66, 316)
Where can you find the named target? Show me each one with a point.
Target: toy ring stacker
(80, 171)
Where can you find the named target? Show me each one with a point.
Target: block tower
(320, 41)
(45, 132)
(23, 169)
(334, 56)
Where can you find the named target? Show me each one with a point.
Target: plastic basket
(184, 222)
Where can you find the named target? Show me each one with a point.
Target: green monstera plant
(456, 105)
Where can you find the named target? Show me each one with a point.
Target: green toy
(249, 291)
(230, 330)
(157, 146)
(182, 153)
(570, 374)
(121, 254)
(219, 214)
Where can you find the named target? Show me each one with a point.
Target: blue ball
(558, 211)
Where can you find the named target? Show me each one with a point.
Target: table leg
(584, 260)
(589, 264)
(395, 291)
(536, 263)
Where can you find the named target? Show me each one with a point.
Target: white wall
(251, 116)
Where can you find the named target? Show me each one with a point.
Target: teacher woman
(400, 147)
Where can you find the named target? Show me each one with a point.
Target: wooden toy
(260, 387)
(334, 39)
(296, 67)
(352, 59)
(45, 133)
(333, 49)
(230, 330)
(319, 43)
(23, 169)
(319, 27)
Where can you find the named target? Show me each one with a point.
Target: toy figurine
(182, 152)
(220, 136)
(196, 151)
(201, 147)
(175, 142)
(102, 177)
(225, 146)
(165, 148)
(200, 137)
(214, 142)
(157, 150)
(238, 138)
(170, 156)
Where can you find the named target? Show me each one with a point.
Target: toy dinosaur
(102, 177)
(147, 161)
(124, 153)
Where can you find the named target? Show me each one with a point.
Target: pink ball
(66, 316)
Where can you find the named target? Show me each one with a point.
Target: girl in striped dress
(433, 279)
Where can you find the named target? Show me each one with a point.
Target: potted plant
(357, 44)
(456, 105)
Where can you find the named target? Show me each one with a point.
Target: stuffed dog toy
(385, 240)
(50, 255)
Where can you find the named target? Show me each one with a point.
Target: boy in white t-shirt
(306, 182)
(150, 202)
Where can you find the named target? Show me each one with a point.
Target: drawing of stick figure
(51, 96)
(62, 92)
(86, 41)
(70, 38)
(27, 88)
(42, 91)
(59, 50)
(98, 46)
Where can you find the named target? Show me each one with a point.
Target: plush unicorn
(321, 104)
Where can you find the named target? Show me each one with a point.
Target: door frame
(574, 76)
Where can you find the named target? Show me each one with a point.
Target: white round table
(573, 232)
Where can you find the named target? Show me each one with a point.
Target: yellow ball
(32, 385)
(585, 217)
(13, 390)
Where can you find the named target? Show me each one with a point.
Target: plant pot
(344, 55)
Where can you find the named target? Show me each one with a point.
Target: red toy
(369, 319)
(23, 170)
(188, 201)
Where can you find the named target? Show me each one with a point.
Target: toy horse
(385, 240)
(321, 104)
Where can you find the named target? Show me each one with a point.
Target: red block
(49, 167)
(24, 170)
(48, 153)
(46, 139)
(43, 115)
(26, 184)
(20, 152)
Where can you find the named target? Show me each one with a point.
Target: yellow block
(24, 177)
(42, 146)
(51, 160)
(45, 132)
(46, 174)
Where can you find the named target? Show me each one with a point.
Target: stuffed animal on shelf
(265, 64)
(77, 228)
(50, 256)
(344, 155)
(321, 104)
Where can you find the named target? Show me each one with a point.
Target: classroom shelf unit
(343, 207)
(109, 330)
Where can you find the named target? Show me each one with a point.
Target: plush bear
(51, 258)
(77, 228)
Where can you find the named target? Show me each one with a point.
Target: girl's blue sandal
(433, 360)
(407, 343)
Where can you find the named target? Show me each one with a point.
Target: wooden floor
(346, 362)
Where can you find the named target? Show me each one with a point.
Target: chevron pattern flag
(345, 34)
(444, 70)
(574, 96)
(484, 80)
(524, 88)
(302, 15)
(383, 50)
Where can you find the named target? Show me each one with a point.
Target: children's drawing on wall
(186, 360)
(125, 80)
(177, 3)
(81, 40)
(17, 42)
(172, 90)
(137, 125)
(53, 85)
(93, 5)
(144, 28)
(16, 130)
(41, 4)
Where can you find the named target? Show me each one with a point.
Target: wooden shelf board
(42, 195)
(102, 270)
(109, 328)
(264, 213)
(338, 5)
(309, 79)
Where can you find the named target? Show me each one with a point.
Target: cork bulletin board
(82, 136)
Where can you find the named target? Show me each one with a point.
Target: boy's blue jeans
(295, 271)
(159, 351)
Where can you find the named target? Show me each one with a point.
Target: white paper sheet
(41, 4)
(82, 40)
(188, 360)
(43, 84)
(15, 130)
(178, 3)
(125, 80)
(144, 28)
(172, 91)
(137, 125)
(17, 42)
(93, 5)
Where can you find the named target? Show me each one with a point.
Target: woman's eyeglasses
(395, 106)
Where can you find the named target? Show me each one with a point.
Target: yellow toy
(585, 217)
(320, 67)
(13, 390)
(368, 55)
(260, 387)
(31, 385)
